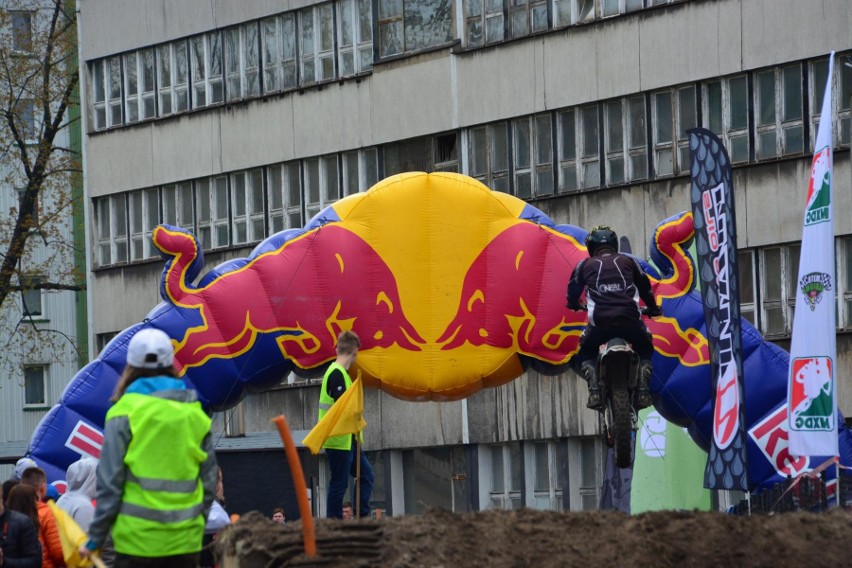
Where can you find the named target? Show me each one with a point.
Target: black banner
(715, 237)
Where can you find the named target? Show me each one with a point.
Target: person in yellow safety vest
(339, 450)
(157, 473)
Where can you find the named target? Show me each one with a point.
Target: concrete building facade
(238, 120)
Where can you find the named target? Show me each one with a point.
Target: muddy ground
(508, 539)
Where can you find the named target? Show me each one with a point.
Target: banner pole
(308, 534)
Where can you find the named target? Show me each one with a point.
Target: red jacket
(48, 535)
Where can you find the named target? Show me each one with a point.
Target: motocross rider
(613, 283)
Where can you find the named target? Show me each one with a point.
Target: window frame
(278, 68)
(779, 125)
(142, 235)
(287, 186)
(134, 71)
(21, 43)
(43, 368)
(202, 76)
(360, 48)
(728, 133)
(510, 497)
(319, 53)
(214, 232)
(243, 76)
(248, 218)
(35, 296)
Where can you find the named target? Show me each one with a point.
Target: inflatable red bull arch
(452, 288)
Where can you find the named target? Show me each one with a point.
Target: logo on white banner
(812, 394)
(813, 285)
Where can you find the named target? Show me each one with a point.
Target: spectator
(157, 474)
(8, 485)
(347, 511)
(48, 533)
(24, 500)
(217, 520)
(23, 465)
(278, 515)
(19, 546)
(81, 478)
(340, 451)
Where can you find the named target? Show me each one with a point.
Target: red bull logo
(306, 293)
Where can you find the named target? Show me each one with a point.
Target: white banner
(812, 385)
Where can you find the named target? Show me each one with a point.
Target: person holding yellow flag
(344, 457)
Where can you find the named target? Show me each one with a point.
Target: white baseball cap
(150, 349)
(23, 465)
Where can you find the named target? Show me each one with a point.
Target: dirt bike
(618, 373)
(618, 367)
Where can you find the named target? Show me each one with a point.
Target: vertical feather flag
(346, 416)
(812, 382)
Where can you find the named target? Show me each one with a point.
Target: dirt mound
(509, 539)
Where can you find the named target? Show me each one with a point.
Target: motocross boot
(643, 392)
(590, 374)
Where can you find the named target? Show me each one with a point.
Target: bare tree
(39, 106)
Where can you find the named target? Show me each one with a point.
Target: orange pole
(308, 533)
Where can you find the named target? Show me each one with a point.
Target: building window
(726, 107)
(173, 77)
(546, 465)
(506, 478)
(779, 279)
(21, 24)
(483, 22)
(527, 16)
(569, 12)
(410, 25)
(818, 74)
(616, 7)
(247, 203)
(35, 385)
(32, 297)
(625, 140)
(106, 84)
(844, 105)
(322, 186)
(27, 127)
(316, 43)
(211, 208)
(578, 131)
(144, 215)
(533, 156)
(355, 36)
(674, 111)
(103, 339)
(427, 478)
(242, 61)
(111, 229)
(745, 264)
(778, 112)
(284, 195)
(206, 68)
(32, 221)
(360, 170)
(585, 471)
(139, 85)
(844, 280)
(177, 205)
(279, 52)
(488, 155)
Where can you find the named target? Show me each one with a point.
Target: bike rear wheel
(621, 427)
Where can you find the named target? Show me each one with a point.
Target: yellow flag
(72, 538)
(346, 416)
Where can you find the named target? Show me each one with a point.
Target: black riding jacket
(613, 283)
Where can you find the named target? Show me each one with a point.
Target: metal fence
(803, 493)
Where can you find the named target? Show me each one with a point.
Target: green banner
(669, 469)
